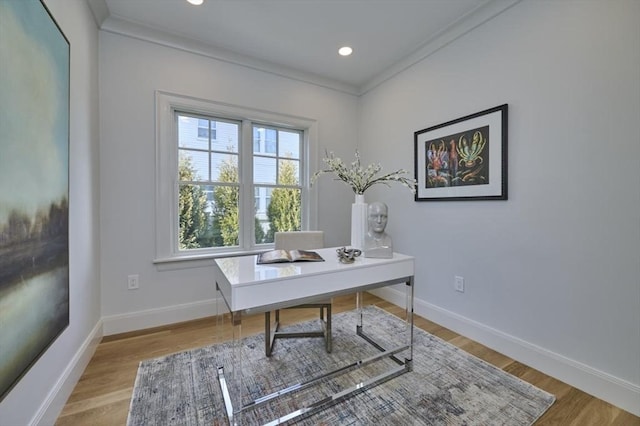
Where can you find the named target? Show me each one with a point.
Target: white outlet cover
(459, 284)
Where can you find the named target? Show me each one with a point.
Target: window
(228, 177)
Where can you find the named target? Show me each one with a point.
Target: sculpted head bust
(377, 217)
(377, 242)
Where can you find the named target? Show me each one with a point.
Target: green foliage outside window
(192, 203)
(225, 207)
(284, 210)
(220, 228)
(260, 234)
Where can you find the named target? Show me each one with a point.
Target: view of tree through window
(209, 161)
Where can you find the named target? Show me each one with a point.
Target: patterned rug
(446, 387)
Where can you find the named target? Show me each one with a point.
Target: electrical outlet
(133, 282)
(459, 284)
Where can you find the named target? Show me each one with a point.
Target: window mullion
(246, 207)
(305, 179)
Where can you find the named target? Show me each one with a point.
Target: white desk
(248, 288)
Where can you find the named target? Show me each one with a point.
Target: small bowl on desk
(346, 255)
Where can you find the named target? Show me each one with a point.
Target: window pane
(257, 139)
(225, 222)
(283, 213)
(195, 213)
(208, 216)
(262, 200)
(193, 165)
(224, 136)
(289, 172)
(270, 141)
(264, 170)
(203, 128)
(256, 199)
(264, 140)
(188, 133)
(289, 144)
(224, 167)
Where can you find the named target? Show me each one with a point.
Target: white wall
(42, 392)
(131, 71)
(553, 274)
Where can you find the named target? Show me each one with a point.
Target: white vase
(358, 222)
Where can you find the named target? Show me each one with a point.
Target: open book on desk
(279, 256)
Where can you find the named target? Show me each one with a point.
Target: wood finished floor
(101, 397)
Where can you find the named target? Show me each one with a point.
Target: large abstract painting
(34, 186)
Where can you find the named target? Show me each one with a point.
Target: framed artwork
(463, 159)
(34, 186)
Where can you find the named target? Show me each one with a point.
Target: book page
(274, 256)
(305, 255)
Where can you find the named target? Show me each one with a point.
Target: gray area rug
(446, 387)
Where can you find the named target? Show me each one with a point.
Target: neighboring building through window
(205, 128)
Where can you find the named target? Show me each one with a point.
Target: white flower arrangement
(360, 179)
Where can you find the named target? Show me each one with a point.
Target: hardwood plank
(481, 351)
(103, 415)
(102, 395)
(104, 399)
(598, 412)
(624, 418)
(567, 409)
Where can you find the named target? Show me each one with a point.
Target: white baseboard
(614, 390)
(57, 397)
(123, 323)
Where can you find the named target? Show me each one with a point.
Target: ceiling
(300, 38)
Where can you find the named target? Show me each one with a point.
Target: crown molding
(117, 25)
(99, 9)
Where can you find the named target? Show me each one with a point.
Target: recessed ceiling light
(345, 51)
(196, 2)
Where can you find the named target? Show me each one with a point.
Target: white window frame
(166, 201)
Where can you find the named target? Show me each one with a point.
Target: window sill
(187, 261)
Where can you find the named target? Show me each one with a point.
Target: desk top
(247, 286)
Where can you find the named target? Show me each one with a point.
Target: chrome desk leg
(409, 319)
(359, 302)
(228, 405)
(231, 385)
(408, 359)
